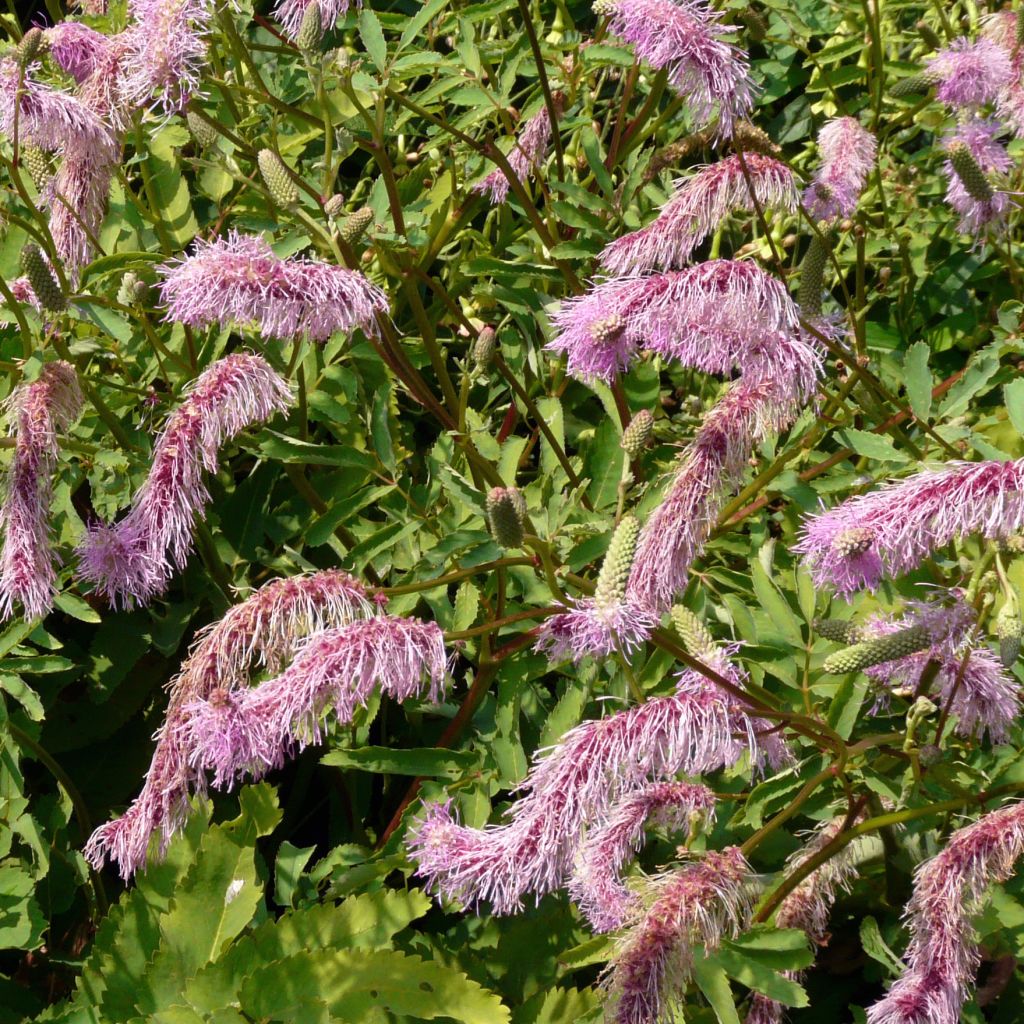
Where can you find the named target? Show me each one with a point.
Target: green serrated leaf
(372, 36)
(917, 379)
(427, 761)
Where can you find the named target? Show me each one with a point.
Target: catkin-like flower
(701, 728)
(596, 885)
(131, 561)
(76, 48)
(262, 632)
(531, 147)
(847, 154)
(889, 531)
(949, 889)
(974, 153)
(698, 904)
(77, 196)
(687, 39)
(291, 12)
(38, 411)
(235, 734)
(969, 74)
(238, 279)
(698, 207)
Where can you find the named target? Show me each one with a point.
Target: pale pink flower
(847, 155)
(77, 196)
(698, 207)
(133, 560)
(980, 135)
(596, 886)
(969, 74)
(260, 633)
(1001, 28)
(531, 147)
(291, 12)
(949, 889)
(76, 48)
(238, 279)
(891, 530)
(591, 629)
(38, 411)
(245, 732)
(687, 39)
(698, 904)
(21, 289)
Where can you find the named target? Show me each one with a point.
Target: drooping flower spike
(131, 561)
(980, 205)
(696, 905)
(596, 886)
(531, 147)
(698, 207)
(291, 12)
(943, 954)
(687, 39)
(239, 280)
(38, 411)
(847, 155)
(235, 734)
(890, 531)
(76, 48)
(262, 632)
(1001, 28)
(969, 74)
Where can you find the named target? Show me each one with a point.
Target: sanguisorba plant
(574, 454)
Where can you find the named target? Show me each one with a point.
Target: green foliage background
(298, 903)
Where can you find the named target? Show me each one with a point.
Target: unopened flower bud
(483, 348)
(637, 434)
(202, 131)
(757, 27)
(355, 224)
(506, 510)
(812, 276)
(611, 581)
(929, 755)
(132, 291)
(838, 631)
(913, 85)
(335, 205)
(970, 174)
(694, 634)
(275, 175)
(40, 275)
(1009, 630)
(37, 164)
(33, 44)
(879, 650)
(311, 30)
(928, 35)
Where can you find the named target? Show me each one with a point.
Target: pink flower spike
(969, 74)
(688, 40)
(889, 531)
(943, 955)
(1001, 28)
(262, 632)
(238, 279)
(596, 885)
(980, 135)
(590, 629)
(249, 731)
(39, 410)
(698, 904)
(76, 48)
(531, 147)
(77, 196)
(133, 561)
(698, 207)
(291, 12)
(847, 154)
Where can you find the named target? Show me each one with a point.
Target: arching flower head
(989, 209)
(76, 48)
(1001, 28)
(847, 155)
(969, 74)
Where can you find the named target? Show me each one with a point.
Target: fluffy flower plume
(943, 956)
(77, 49)
(980, 136)
(291, 12)
(697, 208)
(712, 317)
(262, 632)
(969, 679)
(1001, 28)
(38, 411)
(687, 39)
(888, 532)
(133, 560)
(596, 885)
(699, 904)
(238, 279)
(574, 786)
(847, 154)
(531, 147)
(969, 74)
(246, 732)
(809, 905)
(77, 197)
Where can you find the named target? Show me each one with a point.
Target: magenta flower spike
(77, 196)
(980, 136)
(847, 155)
(291, 12)
(574, 786)
(596, 885)
(132, 561)
(699, 904)
(245, 732)
(238, 279)
(943, 955)
(698, 207)
(533, 141)
(890, 531)
(39, 411)
(1001, 28)
(969, 74)
(77, 49)
(590, 629)
(687, 39)
(262, 632)
(712, 317)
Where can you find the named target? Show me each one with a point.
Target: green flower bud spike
(35, 161)
(694, 634)
(506, 511)
(879, 650)
(914, 85)
(133, 290)
(637, 434)
(33, 44)
(44, 283)
(751, 139)
(928, 35)
(203, 132)
(484, 348)
(311, 30)
(275, 175)
(614, 574)
(1010, 631)
(838, 631)
(335, 206)
(970, 174)
(812, 275)
(355, 224)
